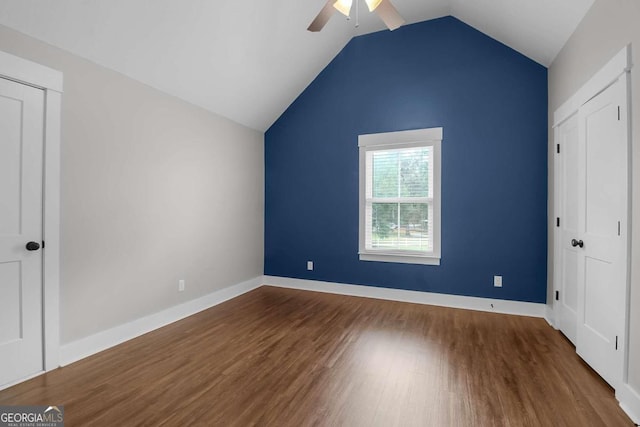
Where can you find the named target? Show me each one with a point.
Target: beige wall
(153, 190)
(606, 29)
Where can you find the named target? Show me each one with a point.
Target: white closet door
(567, 224)
(602, 221)
(21, 156)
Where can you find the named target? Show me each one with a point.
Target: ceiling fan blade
(389, 15)
(323, 17)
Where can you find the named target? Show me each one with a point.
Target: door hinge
(618, 228)
(618, 113)
(558, 222)
(557, 295)
(616, 342)
(558, 148)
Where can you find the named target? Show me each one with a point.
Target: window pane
(403, 172)
(385, 173)
(401, 226)
(384, 224)
(414, 228)
(414, 164)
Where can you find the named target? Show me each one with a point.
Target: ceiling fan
(383, 8)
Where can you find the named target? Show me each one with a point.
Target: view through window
(400, 199)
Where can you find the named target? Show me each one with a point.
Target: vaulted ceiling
(248, 60)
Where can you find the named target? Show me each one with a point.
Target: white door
(567, 226)
(602, 222)
(21, 170)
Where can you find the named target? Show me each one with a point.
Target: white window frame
(431, 137)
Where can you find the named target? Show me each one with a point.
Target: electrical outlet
(310, 265)
(180, 285)
(497, 281)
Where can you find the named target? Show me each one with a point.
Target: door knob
(33, 246)
(575, 243)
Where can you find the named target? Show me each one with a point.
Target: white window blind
(399, 215)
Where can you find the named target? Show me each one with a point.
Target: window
(400, 196)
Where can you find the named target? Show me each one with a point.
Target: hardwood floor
(280, 357)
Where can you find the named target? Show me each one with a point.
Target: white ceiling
(248, 60)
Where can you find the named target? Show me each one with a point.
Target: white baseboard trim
(549, 316)
(417, 297)
(629, 402)
(96, 343)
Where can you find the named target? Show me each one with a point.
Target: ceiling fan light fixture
(343, 6)
(383, 8)
(372, 4)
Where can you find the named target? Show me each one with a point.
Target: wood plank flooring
(280, 357)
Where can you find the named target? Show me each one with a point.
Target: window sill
(400, 258)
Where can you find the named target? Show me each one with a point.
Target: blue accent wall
(491, 102)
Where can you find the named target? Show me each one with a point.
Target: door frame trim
(51, 82)
(605, 77)
(618, 68)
